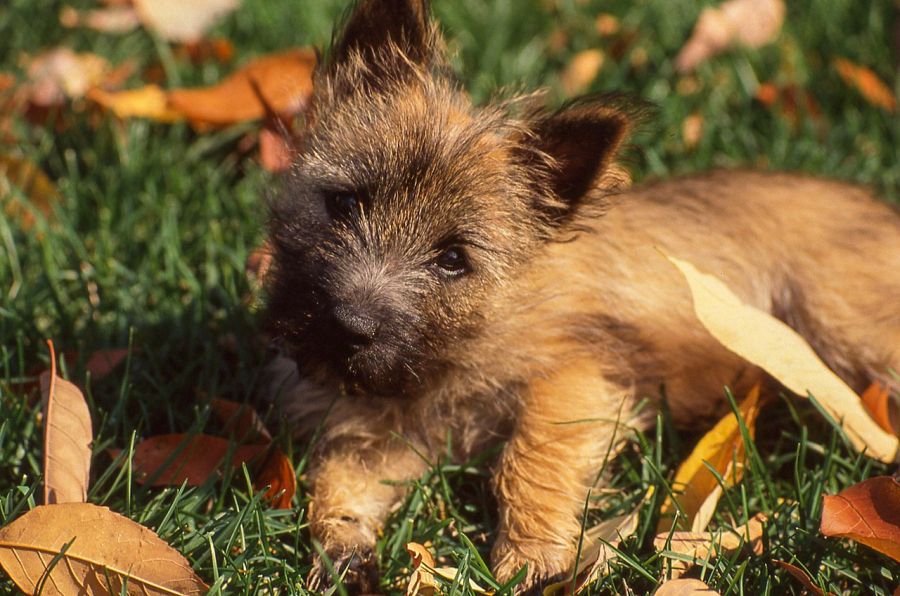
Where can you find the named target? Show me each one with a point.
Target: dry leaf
(276, 153)
(278, 474)
(781, 352)
(67, 438)
(752, 23)
(792, 101)
(699, 545)
(684, 587)
(421, 582)
(721, 448)
(606, 24)
(146, 102)
(20, 178)
(60, 73)
(867, 83)
(283, 79)
(114, 19)
(170, 460)
(801, 576)
(204, 50)
(241, 421)
(103, 547)
(692, 130)
(176, 20)
(103, 362)
(581, 71)
(868, 512)
(878, 403)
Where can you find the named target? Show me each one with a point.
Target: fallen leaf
(241, 421)
(800, 576)
(606, 24)
(258, 263)
(421, 581)
(101, 363)
(170, 460)
(781, 352)
(278, 474)
(700, 545)
(868, 512)
(697, 488)
(867, 83)
(146, 102)
(67, 438)
(684, 587)
(283, 79)
(204, 50)
(751, 23)
(114, 19)
(692, 130)
(102, 547)
(176, 20)
(22, 179)
(449, 574)
(60, 73)
(581, 71)
(792, 102)
(276, 153)
(876, 399)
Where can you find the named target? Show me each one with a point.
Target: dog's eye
(452, 262)
(342, 205)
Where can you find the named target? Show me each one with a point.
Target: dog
(486, 272)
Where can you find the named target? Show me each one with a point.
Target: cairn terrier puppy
(484, 274)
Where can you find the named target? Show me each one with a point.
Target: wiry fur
(568, 314)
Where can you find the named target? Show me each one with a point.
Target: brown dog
(483, 270)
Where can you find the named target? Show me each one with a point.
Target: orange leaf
(22, 179)
(146, 102)
(103, 362)
(275, 151)
(241, 421)
(722, 447)
(107, 553)
(278, 474)
(284, 80)
(684, 587)
(581, 71)
(801, 576)
(877, 401)
(67, 438)
(868, 512)
(170, 460)
(867, 83)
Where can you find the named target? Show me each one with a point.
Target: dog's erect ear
(385, 33)
(582, 139)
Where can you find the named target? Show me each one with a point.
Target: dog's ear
(581, 140)
(386, 35)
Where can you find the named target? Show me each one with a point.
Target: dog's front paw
(355, 569)
(545, 565)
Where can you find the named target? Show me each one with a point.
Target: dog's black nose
(358, 329)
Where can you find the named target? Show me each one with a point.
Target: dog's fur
(563, 311)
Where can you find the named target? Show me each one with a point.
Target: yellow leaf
(146, 102)
(421, 582)
(867, 83)
(770, 344)
(700, 545)
(685, 587)
(581, 71)
(722, 448)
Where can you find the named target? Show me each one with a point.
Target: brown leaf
(784, 354)
(722, 447)
(170, 460)
(684, 587)
(241, 421)
(692, 130)
(421, 581)
(204, 50)
(884, 410)
(176, 20)
(606, 24)
(115, 19)
(752, 23)
(867, 83)
(103, 547)
(146, 102)
(792, 102)
(581, 71)
(283, 79)
(868, 512)
(67, 438)
(276, 154)
(278, 474)
(102, 362)
(801, 576)
(22, 179)
(699, 545)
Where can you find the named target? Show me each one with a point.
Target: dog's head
(408, 207)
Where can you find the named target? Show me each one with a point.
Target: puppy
(484, 271)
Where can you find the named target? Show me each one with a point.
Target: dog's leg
(568, 422)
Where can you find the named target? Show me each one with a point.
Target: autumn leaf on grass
(112, 19)
(105, 553)
(867, 83)
(276, 472)
(422, 581)
(102, 362)
(60, 73)
(696, 487)
(241, 421)
(581, 71)
(700, 546)
(67, 439)
(685, 587)
(23, 187)
(770, 344)
(170, 460)
(881, 407)
(868, 512)
(177, 20)
(146, 102)
(751, 23)
(802, 577)
(283, 79)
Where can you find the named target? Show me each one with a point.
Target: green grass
(148, 244)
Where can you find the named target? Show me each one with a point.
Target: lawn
(147, 244)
